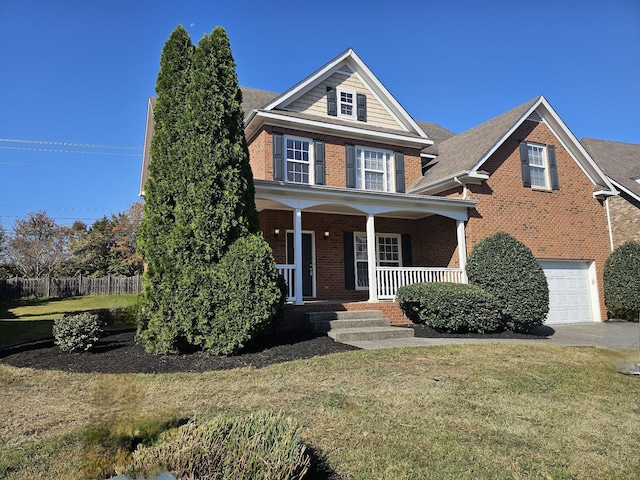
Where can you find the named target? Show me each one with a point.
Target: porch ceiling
(343, 201)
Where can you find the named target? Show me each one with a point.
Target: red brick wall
(625, 219)
(261, 156)
(561, 224)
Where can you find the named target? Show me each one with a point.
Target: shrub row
(450, 307)
(261, 446)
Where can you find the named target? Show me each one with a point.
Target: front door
(307, 261)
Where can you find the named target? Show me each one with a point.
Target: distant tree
(37, 246)
(125, 260)
(211, 203)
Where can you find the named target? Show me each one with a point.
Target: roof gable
(464, 155)
(347, 69)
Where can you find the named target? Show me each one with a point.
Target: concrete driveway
(597, 334)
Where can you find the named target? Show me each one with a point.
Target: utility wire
(49, 150)
(70, 144)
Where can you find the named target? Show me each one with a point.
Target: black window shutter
(349, 262)
(524, 161)
(278, 157)
(351, 165)
(400, 187)
(553, 167)
(361, 100)
(407, 256)
(290, 252)
(332, 103)
(318, 146)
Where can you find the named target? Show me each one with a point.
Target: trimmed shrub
(262, 446)
(450, 307)
(506, 267)
(622, 281)
(77, 332)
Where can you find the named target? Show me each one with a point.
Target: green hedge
(506, 267)
(450, 307)
(261, 446)
(622, 281)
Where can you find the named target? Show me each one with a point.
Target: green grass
(449, 412)
(32, 319)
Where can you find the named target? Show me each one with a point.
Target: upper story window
(539, 166)
(346, 100)
(374, 170)
(298, 159)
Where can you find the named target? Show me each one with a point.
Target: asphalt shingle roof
(619, 161)
(461, 152)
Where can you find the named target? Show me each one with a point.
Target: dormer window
(346, 104)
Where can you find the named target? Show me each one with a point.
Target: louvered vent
(534, 117)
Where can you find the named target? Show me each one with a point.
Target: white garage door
(569, 292)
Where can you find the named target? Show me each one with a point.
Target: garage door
(569, 292)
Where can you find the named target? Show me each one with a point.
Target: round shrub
(244, 301)
(506, 267)
(451, 307)
(622, 281)
(77, 332)
(261, 446)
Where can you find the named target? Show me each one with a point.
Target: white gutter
(606, 202)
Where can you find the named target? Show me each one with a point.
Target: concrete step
(343, 315)
(369, 334)
(326, 325)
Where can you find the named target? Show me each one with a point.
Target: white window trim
(378, 235)
(354, 103)
(544, 167)
(389, 177)
(311, 160)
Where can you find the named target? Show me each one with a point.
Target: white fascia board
(345, 130)
(146, 154)
(625, 190)
(377, 203)
(452, 181)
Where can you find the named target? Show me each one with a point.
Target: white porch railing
(389, 279)
(288, 272)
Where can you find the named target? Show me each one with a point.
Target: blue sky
(75, 75)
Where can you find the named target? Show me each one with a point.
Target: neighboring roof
(254, 99)
(436, 133)
(619, 161)
(461, 157)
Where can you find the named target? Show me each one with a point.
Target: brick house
(621, 163)
(356, 198)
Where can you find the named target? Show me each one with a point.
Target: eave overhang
(346, 201)
(453, 181)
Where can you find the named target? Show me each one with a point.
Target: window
(374, 170)
(388, 254)
(346, 101)
(537, 166)
(298, 158)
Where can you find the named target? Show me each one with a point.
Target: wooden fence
(16, 288)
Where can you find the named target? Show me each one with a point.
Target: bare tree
(37, 245)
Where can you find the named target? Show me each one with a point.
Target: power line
(57, 166)
(50, 150)
(70, 144)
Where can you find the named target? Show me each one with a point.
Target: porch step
(355, 326)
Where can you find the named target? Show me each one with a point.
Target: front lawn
(456, 411)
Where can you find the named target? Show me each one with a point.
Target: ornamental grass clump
(260, 446)
(77, 332)
(450, 307)
(506, 267)
(622, 281)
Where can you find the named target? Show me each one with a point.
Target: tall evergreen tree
(209, 203)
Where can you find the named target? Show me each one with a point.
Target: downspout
(606, 202)
(464, 187)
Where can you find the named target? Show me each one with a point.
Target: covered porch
(360, 245)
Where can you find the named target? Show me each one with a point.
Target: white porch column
(371, 258)
(462, 248)
(297, 254)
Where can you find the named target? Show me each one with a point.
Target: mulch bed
(117, 352)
